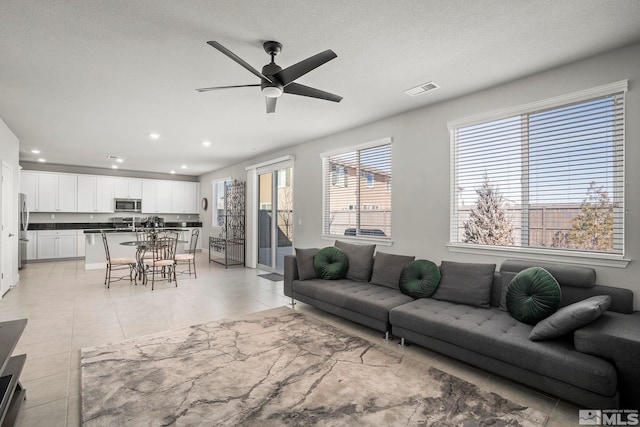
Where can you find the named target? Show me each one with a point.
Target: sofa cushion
(494, 333)
(465, 283)
(364, 298)
(387, 269)
(566, 275)
(570, 318)
(505, 278)
(330, 263)
(419, 279)
(533, 295)
(304, 259)
(360, 260)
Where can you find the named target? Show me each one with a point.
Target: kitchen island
(94, 250)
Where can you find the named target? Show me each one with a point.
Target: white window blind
(545, 178)
(357, 191)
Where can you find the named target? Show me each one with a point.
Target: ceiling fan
(275, 81)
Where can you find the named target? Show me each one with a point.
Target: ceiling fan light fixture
(271, 91)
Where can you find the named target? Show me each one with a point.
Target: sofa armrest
(290, 274)
(616, 337)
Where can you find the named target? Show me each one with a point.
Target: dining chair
(189, 257)
(115, 264)
(145, 236)
(163, 262)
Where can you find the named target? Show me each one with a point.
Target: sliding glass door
(275, 216)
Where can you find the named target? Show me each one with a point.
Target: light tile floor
(69, 308)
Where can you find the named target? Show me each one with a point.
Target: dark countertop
(127, 230)
(107, 226)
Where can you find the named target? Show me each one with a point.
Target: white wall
(421, 163)
(9, 151)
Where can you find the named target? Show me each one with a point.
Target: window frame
(328, 181)
(542, 254)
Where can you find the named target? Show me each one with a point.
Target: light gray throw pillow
(570, 318)
(387, 269)
(465, 283)
(360, 260)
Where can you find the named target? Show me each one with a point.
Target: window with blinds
(357, 191)
(547, 177)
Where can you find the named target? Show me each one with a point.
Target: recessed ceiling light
(172, 172)
(206, 143)
(183, 166)
(114, 166)
(35, 151)
(154, 135)
(42, 160)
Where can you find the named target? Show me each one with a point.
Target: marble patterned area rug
(273, 368)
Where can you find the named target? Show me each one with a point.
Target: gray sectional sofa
(596, 366)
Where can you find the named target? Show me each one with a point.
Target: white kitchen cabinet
(95, 193)
(57, 244)
(164, 197)
(156, 196)
(184, 197)
(80, 243)
(127, 188)
(32, 245)
(149, 196)
(29, 186)
(57, 192)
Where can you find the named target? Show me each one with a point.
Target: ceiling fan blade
(237, 59)
(271, 104)
(302, 90)
(207, 89)
(291, 73)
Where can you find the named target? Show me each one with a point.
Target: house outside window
(353, 205)
(547, 176)
(339, 175)
(220, 209)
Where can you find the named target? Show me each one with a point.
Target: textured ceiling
(85, 79)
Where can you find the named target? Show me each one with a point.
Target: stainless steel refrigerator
(24, 225)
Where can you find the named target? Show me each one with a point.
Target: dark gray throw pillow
(304, 259)
(387, 269)
(570, 318)
(360, 260)
(465, 283)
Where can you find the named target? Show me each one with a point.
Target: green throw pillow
(419, 279)
(533, 295)
(331, 263)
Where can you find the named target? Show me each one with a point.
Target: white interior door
(8, 235)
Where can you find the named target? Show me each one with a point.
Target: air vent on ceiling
(423, 88)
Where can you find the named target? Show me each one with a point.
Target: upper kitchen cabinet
(29, 186)
(184, 197)
(95, 193)
(57, 192)
(156, 196)
(127, 188)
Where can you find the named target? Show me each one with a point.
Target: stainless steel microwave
(128, 205)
